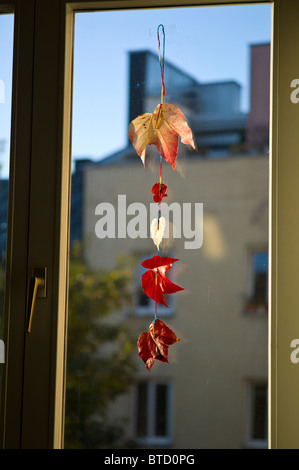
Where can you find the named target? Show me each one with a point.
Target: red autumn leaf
(162, 129)
(153, 345)
(154, 281)
(159, 191)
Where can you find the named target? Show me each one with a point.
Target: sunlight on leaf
(157, 233)
(154, 281)
(162, 129)
(153, 345)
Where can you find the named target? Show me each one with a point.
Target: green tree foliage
(100, 364)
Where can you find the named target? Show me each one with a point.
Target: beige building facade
(212, 393)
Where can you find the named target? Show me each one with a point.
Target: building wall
(222, 345)
(212, 109)
(258, 121)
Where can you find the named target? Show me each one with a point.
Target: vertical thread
(161, 61)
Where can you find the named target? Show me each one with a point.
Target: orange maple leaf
(162, 129)
(153, 345)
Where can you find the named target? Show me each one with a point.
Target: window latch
(37, 289)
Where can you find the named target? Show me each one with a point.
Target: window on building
(257, 300)
(153, 411)
(257, 415)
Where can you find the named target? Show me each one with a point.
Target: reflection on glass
(204, 397)
(6, 55)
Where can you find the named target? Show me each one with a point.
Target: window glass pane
(257, 282)
(217, 71)
(161, 410)
(261, 262)
(6, 57)
(142, 409)
(260, 412)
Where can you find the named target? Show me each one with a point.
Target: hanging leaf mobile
(161, 128)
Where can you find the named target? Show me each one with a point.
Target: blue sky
(210, 43)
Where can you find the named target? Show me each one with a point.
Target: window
(258, 282)
(257, 415)
(153, 413)
(109, 182)
(33, 376)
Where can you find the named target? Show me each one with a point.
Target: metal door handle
(37, 289)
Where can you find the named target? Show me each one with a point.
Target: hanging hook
(161, 60)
